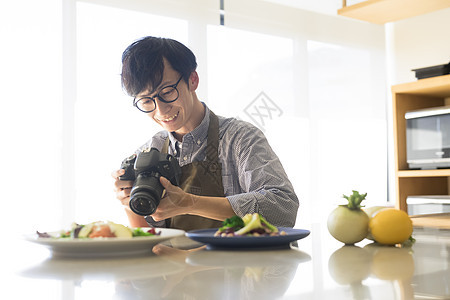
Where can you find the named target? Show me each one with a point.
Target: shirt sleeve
(265, 186)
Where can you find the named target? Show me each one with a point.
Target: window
(330, 136)
(347, 128)
(30, 116)
(107, 127)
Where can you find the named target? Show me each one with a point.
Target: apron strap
(212, 146)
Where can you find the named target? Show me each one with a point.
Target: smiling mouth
(170, 118)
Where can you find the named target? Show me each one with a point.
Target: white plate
(104, 247)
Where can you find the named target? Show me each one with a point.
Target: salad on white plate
(99, 229)
(103, 239)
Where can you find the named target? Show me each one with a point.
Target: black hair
(143, 64)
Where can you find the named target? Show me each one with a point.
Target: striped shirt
(253, 178)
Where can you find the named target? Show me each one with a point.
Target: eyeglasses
(167, 94)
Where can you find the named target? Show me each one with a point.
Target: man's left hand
(175, 201)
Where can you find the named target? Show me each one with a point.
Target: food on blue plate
(250, 224)
(100, 229)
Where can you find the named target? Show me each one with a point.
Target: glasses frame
(135, 100)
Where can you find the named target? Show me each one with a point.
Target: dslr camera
(145, 169)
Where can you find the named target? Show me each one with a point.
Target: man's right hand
(122, 188)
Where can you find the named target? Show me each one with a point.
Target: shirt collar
(199, 134)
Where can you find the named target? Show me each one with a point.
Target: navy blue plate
(207, 237)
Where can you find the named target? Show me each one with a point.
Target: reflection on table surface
(317, 267)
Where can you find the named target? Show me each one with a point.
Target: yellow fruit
(390, 226)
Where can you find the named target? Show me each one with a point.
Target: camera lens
(143, 204)
(146, 194)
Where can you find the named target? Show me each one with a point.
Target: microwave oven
(428, 138)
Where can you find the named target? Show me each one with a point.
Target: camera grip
(128, 166)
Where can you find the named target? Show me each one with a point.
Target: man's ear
(193, 81)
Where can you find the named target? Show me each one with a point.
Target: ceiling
(327, 7)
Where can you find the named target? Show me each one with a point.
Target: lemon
(391, 226)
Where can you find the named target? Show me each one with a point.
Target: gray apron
(203, 178)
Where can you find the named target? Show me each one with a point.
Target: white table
(317, 268)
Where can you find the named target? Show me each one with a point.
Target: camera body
(145, 169)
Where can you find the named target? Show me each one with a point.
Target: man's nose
(162, 106)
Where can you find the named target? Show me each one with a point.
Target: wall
(413, 43)
(419, 42)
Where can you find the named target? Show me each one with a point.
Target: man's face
(178, 116)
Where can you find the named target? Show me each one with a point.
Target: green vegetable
(409, 242)
(141, 232)
(255, 222)
(270, 226)
(349, 224)
(251, 221)
(65, 234)
(235, 223)
(354, 201)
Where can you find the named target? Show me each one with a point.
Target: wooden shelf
(424, 173)
(435, 87)
(424, 93)
(384, 11)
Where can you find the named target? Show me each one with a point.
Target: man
(228, 167)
